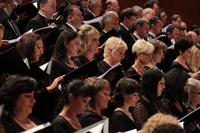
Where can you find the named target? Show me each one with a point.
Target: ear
(71, 98)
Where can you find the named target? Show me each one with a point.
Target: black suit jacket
(129, 39)
(37, 22)
(11, 28)
(65, 27)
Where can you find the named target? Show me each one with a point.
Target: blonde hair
(113, 43)
(142, 47)
(157, 120)
(87, 33)
(194, 60)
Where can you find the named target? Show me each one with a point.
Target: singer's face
(50, 8)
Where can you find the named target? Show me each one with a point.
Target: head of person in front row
(110, 20)
(125, 95)
(89, 42)
(67, 46)
(143, 51)
(193, 89)
(153, 84)
(168, 128)
(30, 46)
(114, 51)
(77, 97)
(157, 120)
(17, 95)
(158, 53)
(98, 102)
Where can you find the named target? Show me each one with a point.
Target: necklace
(25, 124)
(125, 112)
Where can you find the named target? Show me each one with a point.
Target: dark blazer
(129, 39)
(37, 22)
(11, 29)
(65, 27)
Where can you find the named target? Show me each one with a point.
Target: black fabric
(88, 118)
(11, 28)
(80, 60)
(11, 126)
(131, 73)
(37, 22)
(61, 125)
(120, 122)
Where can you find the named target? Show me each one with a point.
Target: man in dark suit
(46, 10)
(11, 29)
(127, 19)
(72, 18)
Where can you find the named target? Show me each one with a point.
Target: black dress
(88, 118)
(58, 68)
(80, 60)
(131, 73)
(61, 125)
(120, 122)
(11, 126)
(144, 109)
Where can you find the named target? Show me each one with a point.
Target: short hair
(41, 2)
(113, 43)
(64, 38)
(142, 46)
(127, 13)
(168, 128)
(149, 83)
(183, 45)
(159, 119)
(26, 45)
(137, 9)
(78, 89)
(107, 16)
(124, 86)
(14, 86)
(141, 22)
(175, 17)
(158, 45)
(150, 3)
(193, 86)
(87, 33)
(98, 85)
(68, 11)
(154, 20)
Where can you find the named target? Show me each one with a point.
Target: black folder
(87, 70)
(192, 116)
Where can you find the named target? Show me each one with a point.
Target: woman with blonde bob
(143, 51)
(113, 54)
(157, 120)
(89, 41)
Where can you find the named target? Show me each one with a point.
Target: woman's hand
(55, 83)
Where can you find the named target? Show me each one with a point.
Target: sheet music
(38, 128)
(116, 65)
(95, 20)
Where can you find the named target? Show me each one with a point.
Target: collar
(71, 26)
(42, 14)
(152, 34)
(124, 26)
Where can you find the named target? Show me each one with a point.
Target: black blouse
(120, 122)
(131, 73)
(61, 125)
(88, 118)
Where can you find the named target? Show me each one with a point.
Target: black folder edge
(190, 115)
(75, 74)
